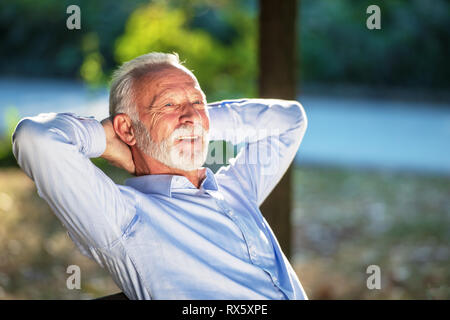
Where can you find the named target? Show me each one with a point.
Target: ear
(124, 129)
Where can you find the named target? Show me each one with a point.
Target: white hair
(121, 95)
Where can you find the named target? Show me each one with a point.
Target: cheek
(205, 120)
(154, 122)
(162, 126)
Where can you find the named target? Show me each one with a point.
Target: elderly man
(176, 230)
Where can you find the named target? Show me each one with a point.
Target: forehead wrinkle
(186, 83)
(148, 84)
(187, 90)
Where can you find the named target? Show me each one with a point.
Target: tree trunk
(277, 79)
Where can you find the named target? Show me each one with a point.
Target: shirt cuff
(96, 137)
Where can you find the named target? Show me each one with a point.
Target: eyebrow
(158, 96)
(167, 92)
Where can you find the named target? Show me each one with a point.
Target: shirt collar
(164, 183)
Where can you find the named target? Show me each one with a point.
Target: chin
(188, 157)
(188, 164)
(187, 160)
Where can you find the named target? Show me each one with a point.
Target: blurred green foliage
(223, 70)
(36, 42)
(410, 50)
(11, 117)
(217, 39)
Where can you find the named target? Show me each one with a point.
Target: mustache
(188, 130)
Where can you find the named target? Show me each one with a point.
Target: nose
(190, 114)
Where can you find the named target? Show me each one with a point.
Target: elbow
(299, 115)
(22, 135)
(25, 130)
(26, 136)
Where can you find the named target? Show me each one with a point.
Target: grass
(344, 220)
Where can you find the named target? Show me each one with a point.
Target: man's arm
(54, 151)
(272, 130)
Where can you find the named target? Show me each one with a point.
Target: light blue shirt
(159, 236)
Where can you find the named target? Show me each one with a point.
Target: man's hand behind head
(117, 152)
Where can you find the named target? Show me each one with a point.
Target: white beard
(174, 156)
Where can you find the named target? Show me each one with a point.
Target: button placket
(251, 248)
(248, 239)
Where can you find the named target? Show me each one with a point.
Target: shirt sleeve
(54, 151)
(271, 132)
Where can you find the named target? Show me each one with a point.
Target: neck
(146, 165)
